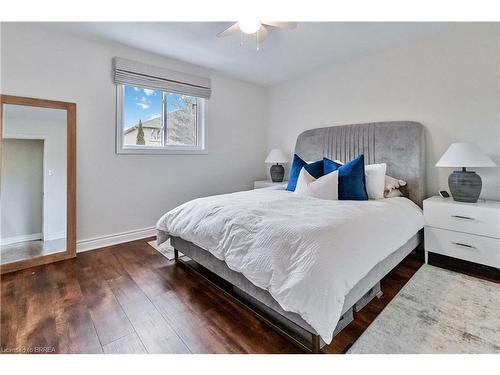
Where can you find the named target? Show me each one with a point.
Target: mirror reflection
(33, 182)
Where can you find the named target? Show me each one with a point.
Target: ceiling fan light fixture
(249, 27)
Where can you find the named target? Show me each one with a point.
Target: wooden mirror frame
(71, 180)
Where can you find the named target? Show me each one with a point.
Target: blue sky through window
(145, 104)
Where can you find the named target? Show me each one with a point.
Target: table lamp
(465, 186)
(275, 157)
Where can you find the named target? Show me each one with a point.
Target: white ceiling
(285, 54)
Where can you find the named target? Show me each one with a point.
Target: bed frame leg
(176, 254)
(315, 344)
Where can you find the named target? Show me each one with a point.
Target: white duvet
(307, 252)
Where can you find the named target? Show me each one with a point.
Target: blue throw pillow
(352, 184)
(315, 169)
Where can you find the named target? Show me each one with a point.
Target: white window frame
(201, 132)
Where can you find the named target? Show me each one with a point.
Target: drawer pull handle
(463, 245)
(462, 217)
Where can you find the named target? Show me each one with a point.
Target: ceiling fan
(257, 28)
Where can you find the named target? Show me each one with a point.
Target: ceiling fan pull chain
(257, 37)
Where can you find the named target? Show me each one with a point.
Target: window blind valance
(132, 73)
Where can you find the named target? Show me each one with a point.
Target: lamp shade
(466, 155)
(276, 156)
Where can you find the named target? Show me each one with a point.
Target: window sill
(143, 151)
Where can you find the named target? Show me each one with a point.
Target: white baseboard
(21, 238)
(55, 236)
(113, 239)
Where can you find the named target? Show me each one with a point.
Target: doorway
(22, 186)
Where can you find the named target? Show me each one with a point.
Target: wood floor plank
(11, 290)
(76, 331)
(153, 330)
(74, 325)
(62, 276)
(130, 344)
(36, 320)
(106, 263)
(198, 334)
(141, 272)
(110, 321)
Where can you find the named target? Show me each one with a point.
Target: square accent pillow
(375, 180)
(315, 169)
(325, 187)
(352, 184)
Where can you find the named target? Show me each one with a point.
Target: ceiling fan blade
(281, 25)
(233, 29)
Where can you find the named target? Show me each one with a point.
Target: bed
(302, 264)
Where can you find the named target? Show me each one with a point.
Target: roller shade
(132, 73)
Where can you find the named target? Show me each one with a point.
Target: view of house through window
(154, 118)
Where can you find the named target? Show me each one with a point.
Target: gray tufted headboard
(400, 144)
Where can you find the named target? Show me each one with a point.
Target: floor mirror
(37, 182)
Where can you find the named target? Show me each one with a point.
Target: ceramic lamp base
(277, 173)
(465, 186)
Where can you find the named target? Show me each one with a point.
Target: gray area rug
(164, 249)
(437, 311)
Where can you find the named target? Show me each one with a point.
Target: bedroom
(205, 177)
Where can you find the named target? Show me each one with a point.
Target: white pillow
(325, 187)
(375, 180)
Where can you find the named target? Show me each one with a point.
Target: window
(159, 110)
(157, 121)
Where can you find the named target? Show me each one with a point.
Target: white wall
(21, 187)
(51, 125)
(119, 193)
(448, 82)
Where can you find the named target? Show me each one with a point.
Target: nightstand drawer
(477, 249)
(469, 218)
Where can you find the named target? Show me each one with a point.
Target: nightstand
(267, 183)
(467, 231)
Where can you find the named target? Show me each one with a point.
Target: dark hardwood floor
(128, 298)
